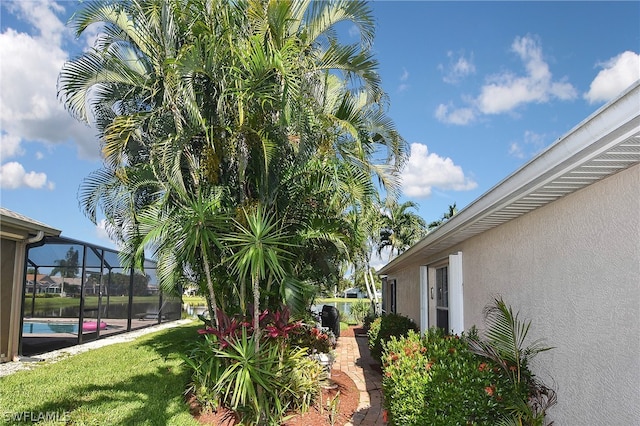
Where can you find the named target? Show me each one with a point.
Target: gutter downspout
(15, 319)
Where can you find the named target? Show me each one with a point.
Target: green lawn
(43, 303)
(135, 383)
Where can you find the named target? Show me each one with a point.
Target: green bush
(259, 383)
(436, 380)
(360, 310)
(302, 377)
(206, 369)
(386, 326)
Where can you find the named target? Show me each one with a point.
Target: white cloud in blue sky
(425, 171)
(404, 78)
(458, 68)
(483, 86)
(617, 74)
(531, 144)
(506, 91)
(13, 176)
(29, 108)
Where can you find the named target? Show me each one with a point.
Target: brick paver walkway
(354, 359)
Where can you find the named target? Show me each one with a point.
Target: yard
(140, 382)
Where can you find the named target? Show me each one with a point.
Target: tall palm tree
(255, 93)
(401, 228)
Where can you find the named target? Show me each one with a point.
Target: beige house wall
(8, 250)
(573, 268)
(407, 292)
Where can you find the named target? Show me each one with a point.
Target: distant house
(559, 240)
(353, 293)
(42, 282)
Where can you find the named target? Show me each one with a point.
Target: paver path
(353, 358)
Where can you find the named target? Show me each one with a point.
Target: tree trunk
(256, 311)
(213, 307)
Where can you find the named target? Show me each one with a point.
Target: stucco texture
(573, 268)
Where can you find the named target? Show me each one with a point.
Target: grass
(43, 303)
(139, 382)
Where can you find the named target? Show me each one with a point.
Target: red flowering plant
(276, 325)
(315, 339)
(437, 380)
(229, 327)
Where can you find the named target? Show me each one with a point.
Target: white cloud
(505, 92)
(425, 171)
(403, 81)
(616, 75)
(458, 68)
(13, 176)
(9, 146)
(531, 144)
(458, 116)
(29, 108)
(516, 150)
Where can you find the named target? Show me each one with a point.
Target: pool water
(48, 327)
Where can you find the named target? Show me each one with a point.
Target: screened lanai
(75, 292)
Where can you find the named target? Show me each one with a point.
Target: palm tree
(255, 93)
(453, 210)
(401, 228)
(260, 247)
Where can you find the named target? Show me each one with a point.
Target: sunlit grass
(139, 382)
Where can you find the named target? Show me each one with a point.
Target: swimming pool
(48, 327)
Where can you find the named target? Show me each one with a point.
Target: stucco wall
(573, 268)
(7, 249)
(407, 292)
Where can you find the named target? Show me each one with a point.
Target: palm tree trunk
(213, 307)
(256, 311)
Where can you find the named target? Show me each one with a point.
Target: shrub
(437, 380)
(206, 370)
(303, 376)
(382, 328)
(359, 310)
(313, 338)
(259, 384)
(505, 341)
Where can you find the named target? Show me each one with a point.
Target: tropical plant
(205, 369)
(453, 210)
(359, 310)
(386, 326)
(401, 228)
(260, 249)
(262, 98)
(506, 345)
(437, 380)
(250, 382)
(67, 267)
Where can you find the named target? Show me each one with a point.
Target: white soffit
(602, 145)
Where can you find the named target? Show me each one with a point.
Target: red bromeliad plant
(278, 325)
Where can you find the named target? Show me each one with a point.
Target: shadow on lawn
(154, 397)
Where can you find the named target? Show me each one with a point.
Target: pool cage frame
(92, 262)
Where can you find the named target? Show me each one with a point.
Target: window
(442, 298)
(392, 291)
(447, 284)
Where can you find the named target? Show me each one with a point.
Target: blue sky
(476, 88)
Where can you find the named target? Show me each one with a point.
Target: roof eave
(615, 124)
